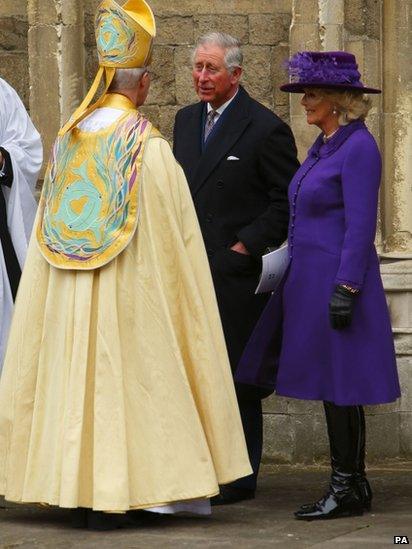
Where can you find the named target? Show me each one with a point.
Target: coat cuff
(254, 245)
(351, 283)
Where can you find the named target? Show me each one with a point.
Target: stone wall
(14, 60)
(62, 55)
(262, 26)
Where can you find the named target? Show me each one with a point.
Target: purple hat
(324, 69)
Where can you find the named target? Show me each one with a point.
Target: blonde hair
(350, 104)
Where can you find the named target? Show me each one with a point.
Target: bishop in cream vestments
(116, 392)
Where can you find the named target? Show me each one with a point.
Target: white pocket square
(232, 158)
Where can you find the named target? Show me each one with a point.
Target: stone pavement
(264, 522)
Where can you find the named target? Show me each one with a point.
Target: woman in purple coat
(333, 341)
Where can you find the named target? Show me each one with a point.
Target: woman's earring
(334, 111)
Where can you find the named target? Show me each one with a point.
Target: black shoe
(98, 520)
(230, 495)
(332, 505)
(78, 517)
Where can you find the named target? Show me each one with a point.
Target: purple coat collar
(321, 149)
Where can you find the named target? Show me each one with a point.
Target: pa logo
(401, 539)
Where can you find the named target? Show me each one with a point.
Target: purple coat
(293, 349)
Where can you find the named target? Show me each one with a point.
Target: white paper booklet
(274, 265)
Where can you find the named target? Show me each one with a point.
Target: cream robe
(116, 391)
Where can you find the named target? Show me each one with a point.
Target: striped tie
(210, 122)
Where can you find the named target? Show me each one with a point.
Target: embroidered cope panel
(89, 203)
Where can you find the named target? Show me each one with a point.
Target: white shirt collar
(221, 109)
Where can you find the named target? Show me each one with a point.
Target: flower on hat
(304, 66)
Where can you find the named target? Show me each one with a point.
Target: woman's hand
(341, 308)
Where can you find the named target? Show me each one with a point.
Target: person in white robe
(21, 156)
(117, 393)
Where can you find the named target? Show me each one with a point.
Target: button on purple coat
(293, 349)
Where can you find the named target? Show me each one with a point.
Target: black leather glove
(341, 307)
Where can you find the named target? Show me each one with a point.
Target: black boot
(343, 497)
(365, 491)
(362, 484)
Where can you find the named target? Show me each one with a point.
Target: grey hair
(231, 45)
(126, 79)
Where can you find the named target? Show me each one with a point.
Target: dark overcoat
(239, 183)
(334, 200)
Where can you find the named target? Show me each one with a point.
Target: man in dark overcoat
(239, 158)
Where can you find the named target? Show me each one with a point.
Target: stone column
(363, 38)
(304, 35)
(316, 25)
(397, 197)
(397, 129)
(56, 55)
(331, 21)
(397, 280)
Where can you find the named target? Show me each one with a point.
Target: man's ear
(236, 74)
(145, 79)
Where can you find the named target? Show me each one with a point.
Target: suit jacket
(243, 199)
